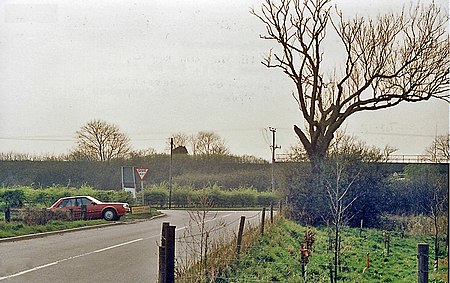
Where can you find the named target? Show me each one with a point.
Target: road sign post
(141, 173)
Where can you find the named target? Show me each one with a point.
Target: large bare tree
(98, 140)
(208, 143)
(439, 150)
(388, 60)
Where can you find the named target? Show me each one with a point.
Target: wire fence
(223, 265)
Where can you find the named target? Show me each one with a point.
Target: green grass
(14, 229)
(277, 257)
(130, 216)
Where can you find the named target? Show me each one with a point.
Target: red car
(94, 208)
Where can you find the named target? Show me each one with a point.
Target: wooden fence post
(386, 240)
(170, 254)
(162, 254)
(239, 237)
(388, 243)
(330, 267)
(271, 213)
(83, 212)
(361, 227)
(422, 263)
(7, 214)
(263, 216)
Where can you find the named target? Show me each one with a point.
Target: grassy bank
(17, 228)
(14, 229)
(277, 257)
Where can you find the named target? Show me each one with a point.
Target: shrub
(156, 195)
(13, 197)
(41, 216)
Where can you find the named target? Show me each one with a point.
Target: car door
(71, 204)
(93, 209)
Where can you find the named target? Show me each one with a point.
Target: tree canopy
(100, 141)
(388, 60)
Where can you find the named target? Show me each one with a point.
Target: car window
(85, 201)
(70, 202)
(63, 203)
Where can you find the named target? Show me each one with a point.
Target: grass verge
(16, 228)
(276, 257)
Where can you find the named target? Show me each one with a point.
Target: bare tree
(439, 150)
(392, 59)
(197, 237)
(338, 184)
(345, 145)
(388, 150)
(179, 139)
(141, 153)
(208, 143)
(433, 188)
(98, 140)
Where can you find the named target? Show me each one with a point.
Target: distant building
(180, 150)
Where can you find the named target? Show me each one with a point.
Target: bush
(156, 195)
(41, 216)
(13, 197)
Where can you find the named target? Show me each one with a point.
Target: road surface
(120, 253)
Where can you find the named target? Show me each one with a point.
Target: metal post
(422, 263)
(142, 191)
(273, 147)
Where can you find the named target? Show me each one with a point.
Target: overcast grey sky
(155, 68)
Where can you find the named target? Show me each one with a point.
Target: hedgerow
(155, 195)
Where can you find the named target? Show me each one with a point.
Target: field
(277, 257)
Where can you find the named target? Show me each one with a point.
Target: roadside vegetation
(277, 257)
(29, 215)
(18, 228)
(156, 195)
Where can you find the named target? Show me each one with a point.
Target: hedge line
(20, 196)
(156, 195)
(185, 196)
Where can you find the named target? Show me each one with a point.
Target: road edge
(45, 234)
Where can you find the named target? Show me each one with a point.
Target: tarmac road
(119, 253)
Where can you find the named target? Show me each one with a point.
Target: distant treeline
(381, 188)
(199, 172)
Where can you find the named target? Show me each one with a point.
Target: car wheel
(109, 214)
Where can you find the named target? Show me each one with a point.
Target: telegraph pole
(273, 148)
(170, 174)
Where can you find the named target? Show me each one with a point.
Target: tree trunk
(436, 244)
(336, 252)
(316, 148)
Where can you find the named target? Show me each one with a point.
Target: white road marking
(93, 252)
(69, 258)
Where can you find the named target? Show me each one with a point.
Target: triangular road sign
(142, 172)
